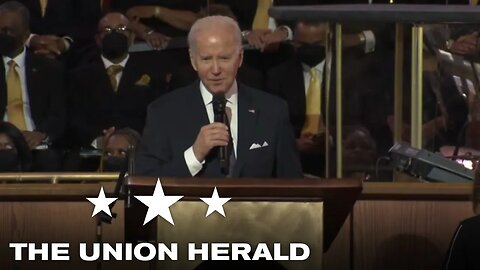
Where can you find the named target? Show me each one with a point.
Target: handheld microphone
(219, 104)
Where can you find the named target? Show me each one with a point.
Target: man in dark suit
(180, 139)
(297, 80)
(31, 85)
(115, 90)
(63, 29)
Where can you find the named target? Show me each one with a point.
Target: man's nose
(216, 68)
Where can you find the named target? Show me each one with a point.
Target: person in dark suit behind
(114, 91)
(32, 88)
(301, 82)
(179, 138)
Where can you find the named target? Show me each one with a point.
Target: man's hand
(137, 12)
(210, 136)
(33, 138)
(156, 40)
(49, 45)
(310, 144)
(256, 38)
(465, 45)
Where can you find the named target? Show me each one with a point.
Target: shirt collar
(107, 63)
(19, 59)
(231, 95)
(319, 67)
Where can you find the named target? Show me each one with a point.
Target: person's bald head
(112, 20)
(310, 32)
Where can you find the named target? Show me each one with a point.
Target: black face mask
(115, 164)
(310, 54)
(8, 161)
(8, 44)
(114, 45)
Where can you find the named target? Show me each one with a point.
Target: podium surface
(261, 211)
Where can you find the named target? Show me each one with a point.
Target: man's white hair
(214, 23)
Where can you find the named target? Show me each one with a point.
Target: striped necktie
(112, 72)
(313, 121)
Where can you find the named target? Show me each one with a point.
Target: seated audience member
(114, 91)
(359, 152)
(300, 82)
(463, 251)
(267, 35)
(117, 145)
(34, 99)
(63, 29)
(180, 138)
(157, 21)
(15, 156)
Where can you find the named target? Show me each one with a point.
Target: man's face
(216, 58)
(117, 146)
(11, 26)
(114, 22)
(309, 43)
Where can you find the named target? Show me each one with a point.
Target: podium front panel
(251, 222)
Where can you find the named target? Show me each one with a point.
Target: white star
(158, 204)
(215, 203)
(101, 203)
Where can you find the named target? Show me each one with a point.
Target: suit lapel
(247, 121)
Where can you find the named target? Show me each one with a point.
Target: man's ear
(192, 59)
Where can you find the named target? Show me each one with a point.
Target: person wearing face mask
(301, 82)
(115, 153)
(15, 156)
(33, 98)
(113, 91)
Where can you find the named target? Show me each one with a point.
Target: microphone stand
(118, 192)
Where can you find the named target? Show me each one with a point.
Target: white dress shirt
(107, 63)
(20, 61)
(194, 165)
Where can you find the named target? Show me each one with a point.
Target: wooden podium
(261, 211)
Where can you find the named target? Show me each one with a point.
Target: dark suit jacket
(45, 87)
(464, 247)
(173, 123)
(95, 106)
